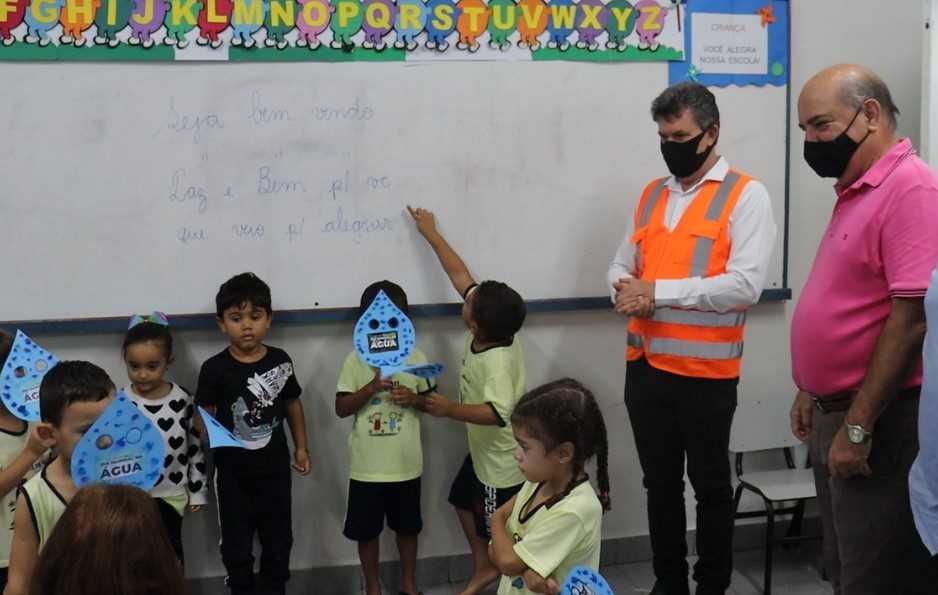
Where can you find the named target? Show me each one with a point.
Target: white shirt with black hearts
(184, 465)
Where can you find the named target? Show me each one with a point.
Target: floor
(794, 573)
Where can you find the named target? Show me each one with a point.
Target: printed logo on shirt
(382, 342)
(387, 423)
(254, 420)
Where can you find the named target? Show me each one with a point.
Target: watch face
(856, 435)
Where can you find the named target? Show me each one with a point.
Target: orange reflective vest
(687, 342)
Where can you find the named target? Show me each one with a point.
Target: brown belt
(841, 401)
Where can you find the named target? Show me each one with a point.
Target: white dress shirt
(752, 237)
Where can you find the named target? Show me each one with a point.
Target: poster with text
(735, 42)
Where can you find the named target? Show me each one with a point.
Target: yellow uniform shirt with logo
(494, 377)
(384, 444)
(553, 541)
(46, 505)
(11, 445)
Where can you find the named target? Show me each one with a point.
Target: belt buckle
(817, 404)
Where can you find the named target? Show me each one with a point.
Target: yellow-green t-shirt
(385, 440)
(45, 503)
(553, 541)
(494, 377)
(11, 445)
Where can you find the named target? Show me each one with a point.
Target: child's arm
(501, 549)
(24, 549)
(404, 397)
(200, 423)
(347, 404)
(451, 262)
(483, 415)
(297, 421)
(503, 555)
(206, 396)
(196, 472)
(12, 475)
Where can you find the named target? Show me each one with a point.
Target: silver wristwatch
(856, 434)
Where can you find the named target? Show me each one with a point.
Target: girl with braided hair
(553, 524)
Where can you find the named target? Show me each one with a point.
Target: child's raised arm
(451, 262)
(15, 471)
(24, 550)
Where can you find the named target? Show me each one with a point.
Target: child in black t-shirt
(251, 389)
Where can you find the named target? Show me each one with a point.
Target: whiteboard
(132, 187)
(929, 138)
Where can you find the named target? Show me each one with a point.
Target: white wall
(885, 36)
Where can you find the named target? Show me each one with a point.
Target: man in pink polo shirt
(856, 337)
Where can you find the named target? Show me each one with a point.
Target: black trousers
(871, 545)
(250, 504)
(676, 419)
(172, 520)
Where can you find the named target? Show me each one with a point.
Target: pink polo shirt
(881, 243)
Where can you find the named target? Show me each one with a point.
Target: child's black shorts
(468, 493)
(370, 503)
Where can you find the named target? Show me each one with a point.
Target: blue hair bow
(156, 318)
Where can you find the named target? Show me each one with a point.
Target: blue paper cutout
(385, 337)
(423, 370)
(218, 435)
(123, 446)
(21, 376)
(778, 59)
(583, 580)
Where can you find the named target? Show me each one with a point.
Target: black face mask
(683, 159)
(829, 159)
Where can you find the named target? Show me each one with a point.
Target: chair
(784, 492)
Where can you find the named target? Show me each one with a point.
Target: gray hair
(687, 95)
(863, 86)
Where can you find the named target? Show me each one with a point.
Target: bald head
(850, 86)
(849, 121)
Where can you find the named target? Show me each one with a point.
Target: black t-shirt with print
(251, 401)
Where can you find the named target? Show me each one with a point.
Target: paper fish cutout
(218, 435)
(385, 337)
(583, 580)
(423, 370)
(21, 376)
(123, 446)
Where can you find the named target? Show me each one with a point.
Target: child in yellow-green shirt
(386, 454)
(491, 381)
(554, 523)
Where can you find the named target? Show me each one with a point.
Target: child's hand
(404, 397)
(438, 405)
(379, 384)
(301, 461)
(34, 445)
(426, 222)
(537, 583)
(195, 507)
